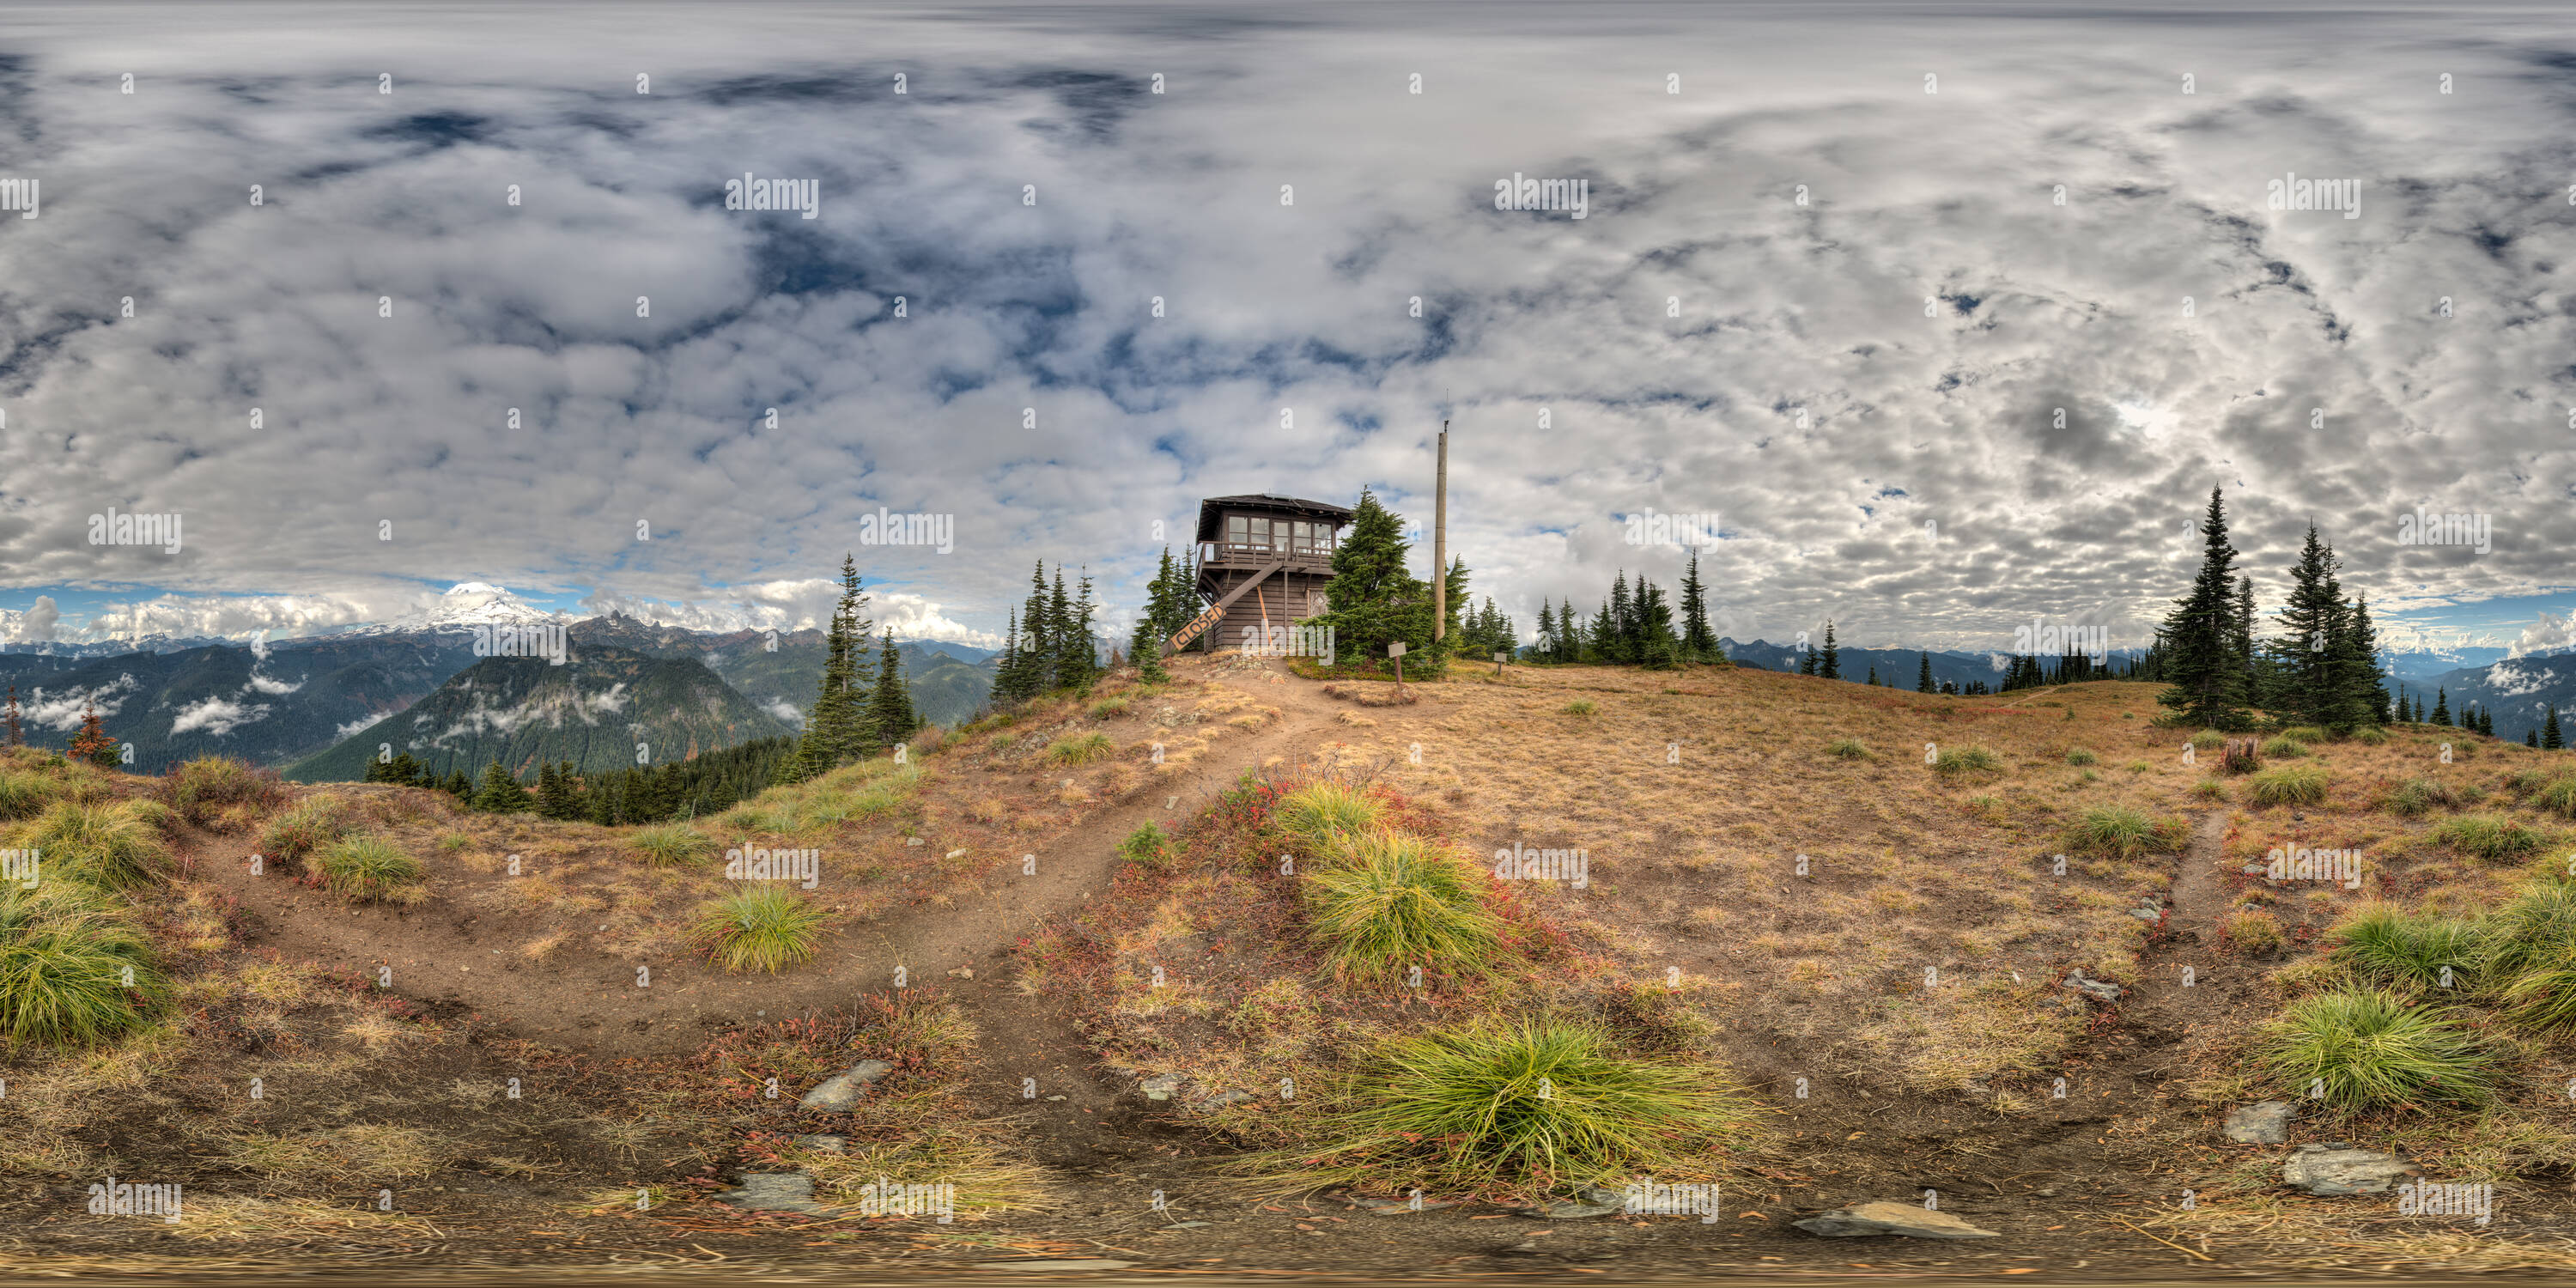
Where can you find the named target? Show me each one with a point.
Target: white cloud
(271, 686)
(786, 710)
(217, 716)
(62, 712)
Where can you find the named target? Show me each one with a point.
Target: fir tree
(2549, 740)
(1376, 600)
(1698, 645)
(2198, 637)
(1623, 622)
(1657, 646)
(1454, 593)
(2531, 737)
(2442, 708)
(1873, 677)
(1832, 666)
(836, 729)
(1546, 642)
(93, 742)
(891, 718)
(458, 785)
(500, 793)
(2365, 699)
(1923, 679)
(2312, 652)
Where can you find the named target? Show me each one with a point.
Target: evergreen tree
(1923, 679)
(93, 743)
(2442, 708)
(500, 793)
(1624, 637)
(1657, 645)
(2531, 737)
(1605, 636)
(458, 785)
(1698, 644)
(1375, 599)
(1873, 677)
(2198, 637)
(2549, 739)
(891, 718)
(1832, 666)
(2312, 654)
(1454, 583)
(836, 729)
(2365, 700)
(1546, 642)
(1008, 686)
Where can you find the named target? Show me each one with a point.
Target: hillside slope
(596, 711)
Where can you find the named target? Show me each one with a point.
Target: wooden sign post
(1396, 651)
(1498, 664)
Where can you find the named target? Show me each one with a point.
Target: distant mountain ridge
(608, 709)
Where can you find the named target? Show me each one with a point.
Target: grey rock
(842, 1090)
(1068, 1263)
(827, 1144)
(1888, 1216)
(2146, 914)
(2262, 1123)
(1221, 1099)
(2340, 1169)
(2097, 989)
(1162, 1086)
(775, 1192)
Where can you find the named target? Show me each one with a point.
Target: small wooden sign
(1395, 649)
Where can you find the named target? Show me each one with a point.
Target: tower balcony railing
(1229, 554)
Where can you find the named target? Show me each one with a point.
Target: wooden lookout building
(1263, 561)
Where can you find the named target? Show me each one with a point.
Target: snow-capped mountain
(466, 605)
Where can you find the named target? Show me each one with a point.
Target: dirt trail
(445, 953)
(2163, 1006)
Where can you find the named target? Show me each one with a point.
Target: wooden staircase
(1214, 613)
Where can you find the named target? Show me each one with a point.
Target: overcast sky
(1706, 340)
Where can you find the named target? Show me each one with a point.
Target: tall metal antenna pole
(1440, 542)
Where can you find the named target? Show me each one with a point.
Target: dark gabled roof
(1212, 510)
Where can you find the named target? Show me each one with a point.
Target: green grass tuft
(2421, 796)
(680, 845)
(2371, 1049)
(2288, 785)
(1082, 750)
(764, 928)
(203, 788)
(2283, 748)
(1967, 760)
(1847, 749)
(108, 844)
(24, 794)
(1579, 707)
(2082, 756)
(2118, 832)
(72, 972)
(370, 869)
(2558, 796)
(1147, 848)
(1402, 902)
(314, 823)
(2487, 836)
(1328, 814)
(1495, 1108)
(2385, 945)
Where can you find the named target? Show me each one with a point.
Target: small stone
(842, 1090)
(1221, 1099)
(827, 1144)
(2097, 989)
(2263, 1123)
(1188, 1225)
(1887, 1216)
(1161, 1086)
(2340, 1169)
(775, 1192)
(1055, 1098)
(962, 972)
